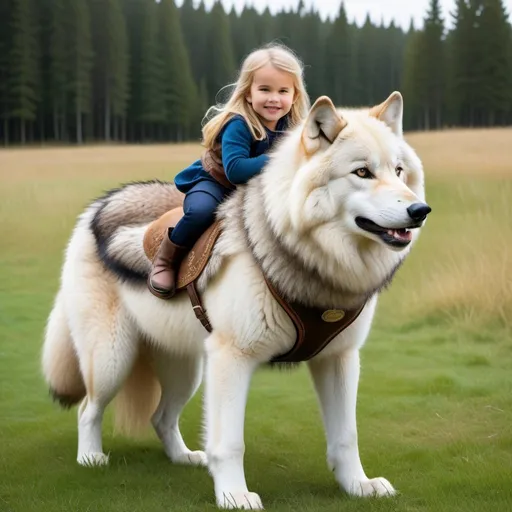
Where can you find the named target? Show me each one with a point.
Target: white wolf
(328, 221)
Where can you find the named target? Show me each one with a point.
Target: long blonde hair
(283, 59)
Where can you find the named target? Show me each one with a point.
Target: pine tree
(412, 60)
(389, 50)
(381, 62)
(266, 31)
(133, 14)
(194, 26)
(221, 62)
(284, 27)
(465, 59)
(245, 33)
(22, 72)
(111, 63)
(237, 34)
(397, 40)
(43, 114)
(339, 60)
(366, 56)
(5, 42)
(151, 111)
(200, 111)
(119, 72)
(59, 68)
(80, 61)
(431, 77)
(180, 94)
(495, 40)
(311, 52)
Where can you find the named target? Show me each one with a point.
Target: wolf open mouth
(396, 237)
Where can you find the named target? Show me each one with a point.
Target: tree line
(146, 70)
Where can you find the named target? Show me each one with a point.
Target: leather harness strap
(315, 327)
(197, 306)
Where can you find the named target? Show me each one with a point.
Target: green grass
(435, 402)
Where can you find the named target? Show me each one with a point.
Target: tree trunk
(64, 135)
(116, 128)
(42, 134)
(6, 131)
(79, 138)
(22, 131)
(426, 119)
(107, 113)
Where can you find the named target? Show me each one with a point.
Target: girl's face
(271, 95)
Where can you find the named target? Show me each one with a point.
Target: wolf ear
(323, 125)
(391, 112)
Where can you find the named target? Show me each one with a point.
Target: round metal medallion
(333, 315)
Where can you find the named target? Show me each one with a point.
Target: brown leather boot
(162, 278)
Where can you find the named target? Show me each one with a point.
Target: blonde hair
(281, 58)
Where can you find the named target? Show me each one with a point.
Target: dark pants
(199, 207)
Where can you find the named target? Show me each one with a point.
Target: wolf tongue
(398, 233)
(402, 234)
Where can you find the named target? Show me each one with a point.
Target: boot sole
(160, 294)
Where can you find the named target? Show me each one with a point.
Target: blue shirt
(242, 156)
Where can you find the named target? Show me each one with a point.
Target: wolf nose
(418, 211)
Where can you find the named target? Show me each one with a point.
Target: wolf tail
(119, 221)
(59, 359)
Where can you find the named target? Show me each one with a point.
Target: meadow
(435, 401)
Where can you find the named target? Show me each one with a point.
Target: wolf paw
(197, 458)
(373, 487)
(240, 500)
(92, 459)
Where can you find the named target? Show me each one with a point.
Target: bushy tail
(59, 360)
(119, 221)
(138, 398)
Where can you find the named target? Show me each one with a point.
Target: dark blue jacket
(242, 156)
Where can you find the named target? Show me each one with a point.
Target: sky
(399, 10)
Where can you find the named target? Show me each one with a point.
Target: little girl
(269, 97)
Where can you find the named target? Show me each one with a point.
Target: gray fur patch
(133, 205)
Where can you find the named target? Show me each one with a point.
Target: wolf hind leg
(179, 377)
(106, 355)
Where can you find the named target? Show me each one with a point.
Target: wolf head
(359, 174)
(345, 189)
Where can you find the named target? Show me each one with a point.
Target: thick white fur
(310, 201)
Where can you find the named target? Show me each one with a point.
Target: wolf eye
(399, 170)
(364, 173)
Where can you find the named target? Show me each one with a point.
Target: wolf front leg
(228, 375)
(336, 379)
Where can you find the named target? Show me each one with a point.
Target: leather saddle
(194, 263)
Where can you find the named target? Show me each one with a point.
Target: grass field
(435, 402)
